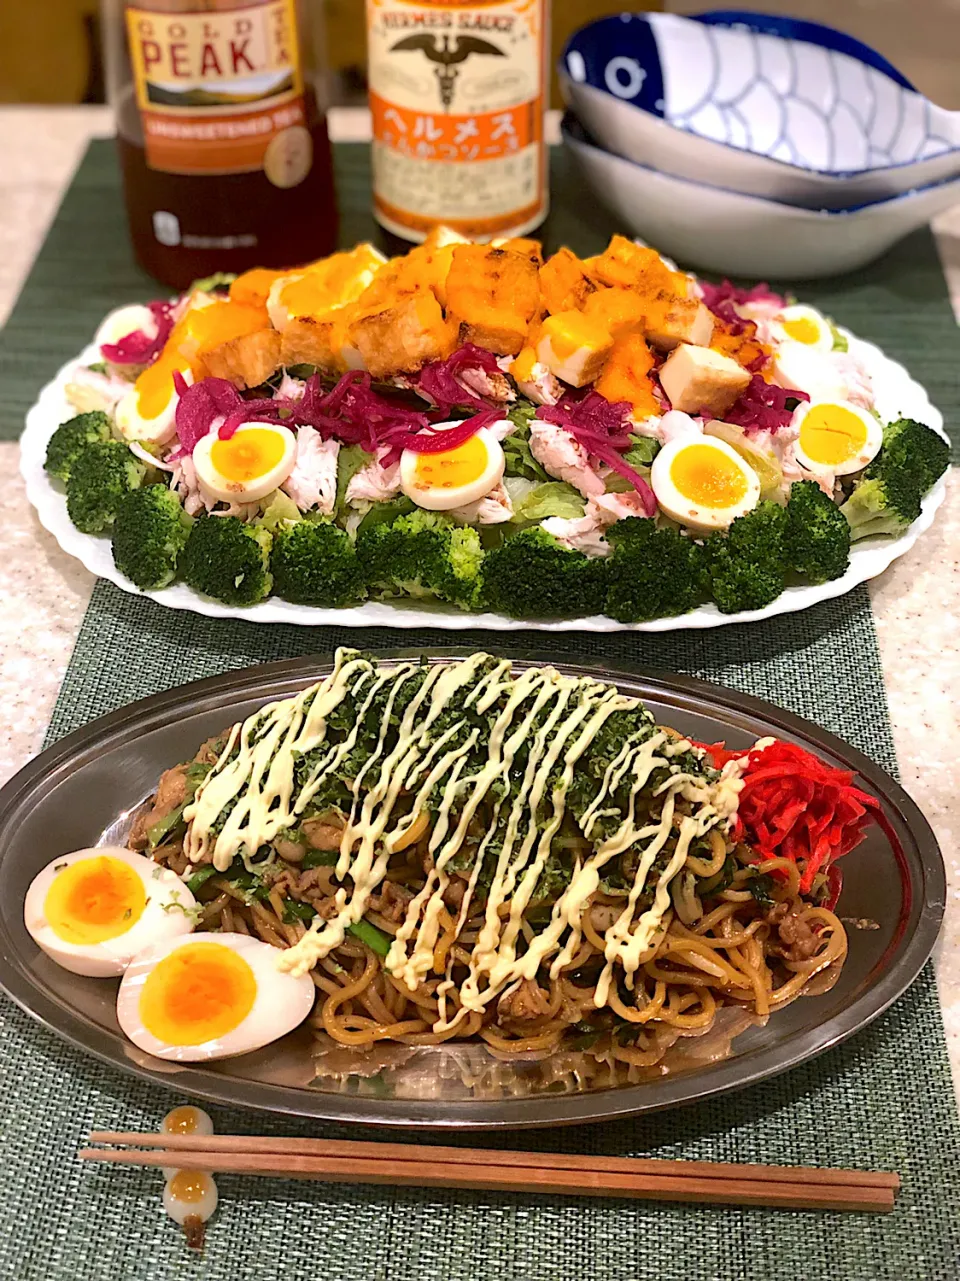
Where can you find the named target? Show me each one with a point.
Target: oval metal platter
(84, 789)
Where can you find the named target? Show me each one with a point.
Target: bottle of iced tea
(221, 126)
(458, 93)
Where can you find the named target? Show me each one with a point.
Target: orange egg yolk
(832, 434)
(94, 899)
(155, 387)
(248, 454)
(189, 1186)
(706, 476)
(802, 329)
(453, 467)
(181, 1121)
(198, 993)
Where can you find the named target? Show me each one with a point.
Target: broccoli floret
(653, 573)
(532, 575)
(817, 536)
(887, 499)
(882, 504)
(100, 478)
(917, 450)
(70, 440)
(227, 559)
(745, 568)
(423, 554)
(150, 532)
(315, 563)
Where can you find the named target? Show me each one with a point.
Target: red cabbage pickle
(138, 348)
(199, 406)
(602, 428)
(723, 300)
(763, 407)
(440, 383)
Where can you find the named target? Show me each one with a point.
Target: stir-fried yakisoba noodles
(454, 850)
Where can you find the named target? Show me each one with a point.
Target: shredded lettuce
(520, 461)
(535, 502)
(280, 510)
(840, 341)
(349, 461)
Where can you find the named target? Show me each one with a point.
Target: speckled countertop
(916, 602)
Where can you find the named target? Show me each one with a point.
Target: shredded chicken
(313, 481)
(492, 509)
(677, 425)
(542, 387)
(374, 483)
(858, 382)
(559, 453)
(490, 385)
(586, 533)
(290, 388)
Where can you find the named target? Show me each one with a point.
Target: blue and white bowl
(772, 107)
(740, 235)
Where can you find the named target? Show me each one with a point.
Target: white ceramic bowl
(738, 235)
(771, 107)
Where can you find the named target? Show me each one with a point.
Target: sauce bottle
(222, 134)
(458, 95)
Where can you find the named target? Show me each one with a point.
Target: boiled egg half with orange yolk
(210, 997)
(148, 411)
(94, 910)
(836, 437)
(805, 325)
(450, 478)
(256, 459)
(703, 483)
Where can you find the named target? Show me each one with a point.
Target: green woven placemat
(86, 268)
(884, 1100)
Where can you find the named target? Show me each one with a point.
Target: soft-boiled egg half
(835, 437)
(148, 411)
(256, 459)
(703, 482)
(210, 997)
(805, 325)
(94, 910)
(454, 477)
(123, 321)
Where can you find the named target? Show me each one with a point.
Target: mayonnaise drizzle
(251, 796)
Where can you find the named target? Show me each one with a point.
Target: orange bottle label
(457, 94)
(221, 91)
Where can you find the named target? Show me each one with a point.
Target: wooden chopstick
(397, 1164)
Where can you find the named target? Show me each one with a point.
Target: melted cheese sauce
(544, 724)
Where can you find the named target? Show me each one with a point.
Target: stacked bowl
(754, 145)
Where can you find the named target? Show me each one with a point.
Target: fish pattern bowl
(768, 106)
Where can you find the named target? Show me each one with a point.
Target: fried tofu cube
(492, 295)
(628, 265)
(521, 245)
(671, 320)
(246, 361)
(564, 283)
(618, 310)
(403, 337)
(573, 347)
(315, 340)
(626, 376)
(699, 380)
